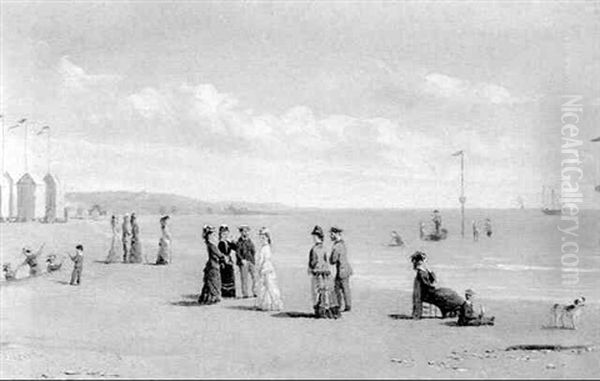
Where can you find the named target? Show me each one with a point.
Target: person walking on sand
(135, 256)
(487, 227)
(269, 296)
(211, 288)
(126, 235)
(227, 267)
(113, 252)
(321, 285)
(475, 230)
(245, 252)
(164, 244)
(339, 258)
(77, 265)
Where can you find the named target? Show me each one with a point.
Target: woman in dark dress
(211, 290)
(227, 270)
(424, 290)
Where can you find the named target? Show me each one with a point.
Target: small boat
(551, 206)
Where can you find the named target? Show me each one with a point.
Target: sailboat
(550, 205)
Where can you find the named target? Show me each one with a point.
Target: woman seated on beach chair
(424, 290)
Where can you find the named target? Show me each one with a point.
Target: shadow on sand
(243, 308)
(188, 303)
(294, 315)
(409, 317)
(63, 282)
(451, 324)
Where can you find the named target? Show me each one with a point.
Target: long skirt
(211, 290)
(164, 252)
(324, 300)
(228, 281)
(446, 299)
(269, 296)
(135, 255)
(114, 251)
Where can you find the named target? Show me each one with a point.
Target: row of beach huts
(31, 198)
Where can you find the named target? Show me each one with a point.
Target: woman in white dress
(269, 296)
(114, 251)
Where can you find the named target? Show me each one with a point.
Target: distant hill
(120, 202)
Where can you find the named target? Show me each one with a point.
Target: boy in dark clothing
(77, 265)
(468, 317)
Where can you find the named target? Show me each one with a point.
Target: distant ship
(550, 204)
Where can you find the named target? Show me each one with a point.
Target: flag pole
(25, 152)
(462, 198)
(3, 144)
(48, 149)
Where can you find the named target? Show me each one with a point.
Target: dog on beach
(571, 313)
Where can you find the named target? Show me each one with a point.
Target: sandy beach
(142, 321)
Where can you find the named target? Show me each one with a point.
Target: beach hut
(54, 198)
(8, 197)
(31, 198)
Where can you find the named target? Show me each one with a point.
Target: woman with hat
(269, 296)
(321, 282)
(227, 270)
(424, 290)
(115, 243)
(211, 290)
(164, 244)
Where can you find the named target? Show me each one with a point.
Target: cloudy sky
(329, 104)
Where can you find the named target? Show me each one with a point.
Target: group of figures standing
(126, 245)
(257, 273)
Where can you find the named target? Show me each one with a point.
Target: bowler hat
(335, 229)
(223, 228)
(469, 292)
(418, 256)
(243, 227)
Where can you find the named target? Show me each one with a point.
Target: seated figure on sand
(424, 290)
(31, 259)
(396, 239)
(9, 273)
(467, 315)
(53, 264)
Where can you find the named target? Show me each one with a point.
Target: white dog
(570, 313)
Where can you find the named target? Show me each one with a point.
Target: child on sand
(31, 260)
(77, 265)
(467, 315)
(53, 264)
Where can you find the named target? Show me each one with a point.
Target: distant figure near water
(126, 235)
(487, 227)
(113, 252)
(77, 265)
(135, 256)
(396, 239)
(164, 244)
(475, 226)
(424, 290)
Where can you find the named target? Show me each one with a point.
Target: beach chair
(430, 311)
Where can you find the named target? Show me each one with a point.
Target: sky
(317, 104)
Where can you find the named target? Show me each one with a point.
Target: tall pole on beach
(46, 129)
(462, 199)
(3, 144)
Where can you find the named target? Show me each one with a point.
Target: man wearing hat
(339, 258)
(467, 315)
(245, 260)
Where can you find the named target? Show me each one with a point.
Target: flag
(457, 153)
(19, 123)
(44, 129)
(596, 140)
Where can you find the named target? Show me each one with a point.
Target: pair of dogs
(567, 315)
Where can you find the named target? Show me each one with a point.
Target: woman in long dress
(321, 283)
(226, 247)
(424, 290)
(211, 289)
(136, 243)
(164, 244)
(114, 251)
(269, 296)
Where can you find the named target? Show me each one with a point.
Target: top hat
(469, 292)
(335, 229)
(243, 228)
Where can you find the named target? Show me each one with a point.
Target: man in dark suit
(245, 260)
(339, 258)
